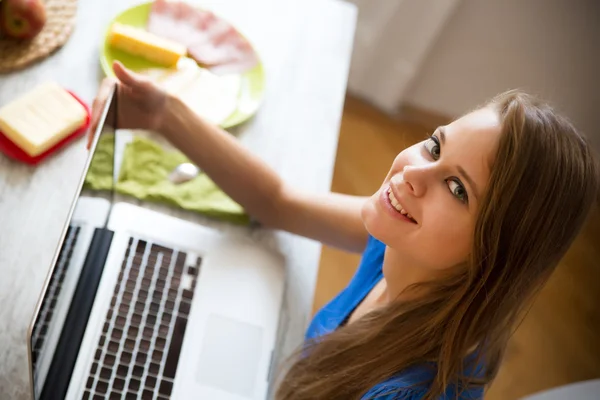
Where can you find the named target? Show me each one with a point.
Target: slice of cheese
(146, 45)
(213, 97)
(41, 118)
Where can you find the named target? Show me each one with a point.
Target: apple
(22, 19)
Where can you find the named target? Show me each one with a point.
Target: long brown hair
(543, 183)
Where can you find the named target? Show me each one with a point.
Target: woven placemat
(60, 20)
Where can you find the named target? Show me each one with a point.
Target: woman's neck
(400, 274)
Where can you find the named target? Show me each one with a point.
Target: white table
(305, 46)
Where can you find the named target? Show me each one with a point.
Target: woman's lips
(391, 208)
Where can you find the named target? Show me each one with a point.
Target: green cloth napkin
(144, 175)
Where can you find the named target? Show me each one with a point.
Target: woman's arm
(333, 219)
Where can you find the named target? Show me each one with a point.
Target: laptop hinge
(67, 348)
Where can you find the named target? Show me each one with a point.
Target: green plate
(252, 86)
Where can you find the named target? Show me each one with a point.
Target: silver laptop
(141, 305)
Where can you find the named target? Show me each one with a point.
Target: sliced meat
(211, 41)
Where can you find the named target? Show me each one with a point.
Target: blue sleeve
(386, 392)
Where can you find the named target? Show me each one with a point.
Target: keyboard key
(109, 360)
(138, 371)
(140, 306)
(117, 334)
(122, 370)
(144, 345)
(160, 343)
(163, 330)
(105, 373)
(154, 307)
(157, 356)
(129, 344)
(120, 321)
(126, 357)
(184, 308)
(166, 318)
(101, 387)
(119, 383)
(180, 263)
(150, 382)
(115, 395)
(141, 358)
(154, 368)
(113, 346)
(133, 332)
(165, 387)
(134, 384)
(136, 319)
(148, 332)
(175, 348)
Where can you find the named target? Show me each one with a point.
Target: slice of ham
(211, 41)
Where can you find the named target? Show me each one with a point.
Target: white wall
(392, 39)
(549, 47)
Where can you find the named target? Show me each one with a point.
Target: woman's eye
(458, 190)
(433, 147)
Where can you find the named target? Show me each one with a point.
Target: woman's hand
(141, 102)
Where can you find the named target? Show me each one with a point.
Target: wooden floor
(559, 341)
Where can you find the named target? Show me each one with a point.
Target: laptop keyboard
(48, 307)
(137, 354)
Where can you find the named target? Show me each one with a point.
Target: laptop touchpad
(230, 355)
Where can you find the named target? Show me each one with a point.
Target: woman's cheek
(455, 236)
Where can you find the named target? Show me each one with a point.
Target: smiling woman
(465, 229)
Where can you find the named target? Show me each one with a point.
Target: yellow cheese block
(145, 44)
(40, 118)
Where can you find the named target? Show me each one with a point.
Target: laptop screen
(65, 302)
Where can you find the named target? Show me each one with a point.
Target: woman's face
(427, 206)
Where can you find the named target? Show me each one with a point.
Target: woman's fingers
(98, 105)
(130, 78)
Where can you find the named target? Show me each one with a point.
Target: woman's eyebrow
(442, 132)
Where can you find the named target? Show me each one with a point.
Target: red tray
(9, 148)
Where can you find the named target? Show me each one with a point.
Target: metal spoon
(183, 173)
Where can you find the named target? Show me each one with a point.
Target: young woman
(466, 228)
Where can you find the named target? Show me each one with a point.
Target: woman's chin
(373, 219)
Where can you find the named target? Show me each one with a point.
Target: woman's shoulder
(414, 384)
(368, 273)
(393, 391)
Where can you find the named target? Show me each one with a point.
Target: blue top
(331, 316)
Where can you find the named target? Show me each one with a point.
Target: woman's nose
(415, 179)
